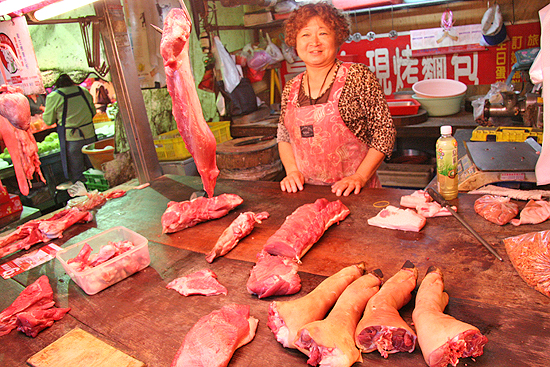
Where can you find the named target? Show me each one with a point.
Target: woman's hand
(293, 182)
(347, 185)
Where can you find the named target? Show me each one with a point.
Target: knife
(254, 141)
(441, 201)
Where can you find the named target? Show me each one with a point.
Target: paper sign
(18, 60)
(28, 261)
(440, 37)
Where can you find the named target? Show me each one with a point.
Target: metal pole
(128, 91)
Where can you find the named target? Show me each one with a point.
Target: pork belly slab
(330, 342)
(395, 218)
(273, 276)
(287, 317)
(382, 328)
(185, 214)
(534, 212)
(212, 341)
(442, 338)
(304, 227)
(203, 282)
(186, 106)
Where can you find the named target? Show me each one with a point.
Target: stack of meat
(33, 310)
(15, 119)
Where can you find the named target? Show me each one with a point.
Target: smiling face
(316, 44)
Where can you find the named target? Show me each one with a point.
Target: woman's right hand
(293, 182)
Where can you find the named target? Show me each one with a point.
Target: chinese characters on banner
(18, 60)
(398, 67)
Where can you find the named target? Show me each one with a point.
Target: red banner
(396, 68)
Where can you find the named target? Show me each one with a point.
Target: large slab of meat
(33, 310)
(237, 230)
(534, 212)
(304, 227)
(203, 282)
(382, 328)
(41, 230)
(287, 317)
(442, 338)
(273, 276)
(395, 218)
(496, 209)
(330, 342)
(14, 106)
(185, 214)
(418, 197)
(186, 107)
(530, 255)
(212, 341)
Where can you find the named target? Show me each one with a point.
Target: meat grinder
(528, 107)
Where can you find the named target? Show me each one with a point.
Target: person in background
(335, 126)
(72, 108)
(37, 103)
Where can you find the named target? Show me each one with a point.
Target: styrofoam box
(96, 279)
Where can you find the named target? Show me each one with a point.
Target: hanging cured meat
(15, 120)
(186, 107)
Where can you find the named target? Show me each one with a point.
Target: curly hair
(332, 17)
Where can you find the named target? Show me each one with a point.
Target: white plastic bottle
(447, 161)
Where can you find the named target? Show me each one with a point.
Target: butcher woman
(335, 126)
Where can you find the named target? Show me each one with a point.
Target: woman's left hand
(347, 185)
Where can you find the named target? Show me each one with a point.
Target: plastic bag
(273, 51)
(254, 75)
(260, 60)
(230, 74)
(289, 53)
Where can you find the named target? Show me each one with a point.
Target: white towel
(540, 73)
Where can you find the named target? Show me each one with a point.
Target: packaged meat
(442, 338)
(186, 106)
(273, 276)
(203, 282)
(530, 256)
(395, 218)
(287, 317)
(237, 230)
(212, 341)
(381, 327)
(95, 279)
(304, 227)
(330, 342)
(496, 209)
(185, 214)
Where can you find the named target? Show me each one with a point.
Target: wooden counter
(142, 318)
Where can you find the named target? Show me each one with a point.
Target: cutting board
(79, 348)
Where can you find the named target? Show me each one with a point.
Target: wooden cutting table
(143, 319)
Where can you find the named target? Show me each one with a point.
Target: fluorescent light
(10, 6)
(60, 7)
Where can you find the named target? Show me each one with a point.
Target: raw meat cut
(212, 341)
(497, 209)
(433, 209)
(304, 227)
(34, 321)
(186, 107)
(38, 296)
(237, 230)
(381, 326)
(395, 218)
(203, 282)
(85, 259)
(23, 152)
(287, 317)
(14, 106)
(416, 198)
(41, 230)
(534, 212)
(273, 276)
(442, 338)
(530, 255)
(330, 342)
(185, 214)
(511, 193)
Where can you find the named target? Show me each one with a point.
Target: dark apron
(61, 126)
